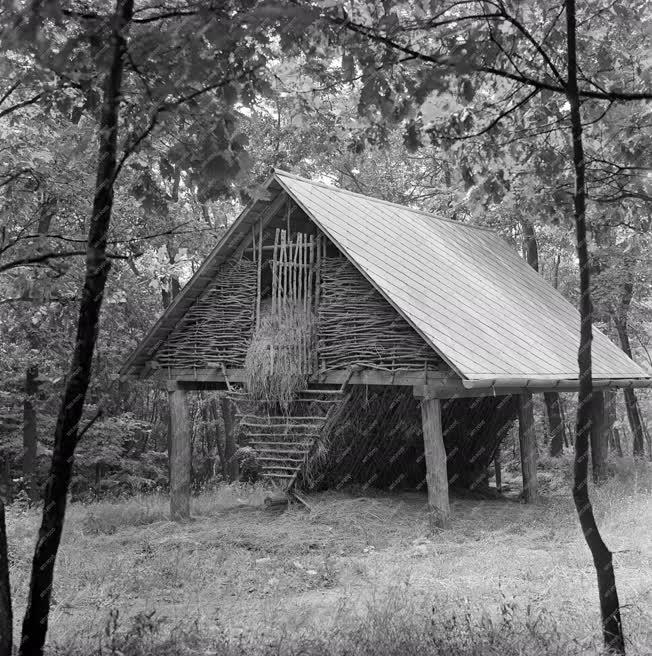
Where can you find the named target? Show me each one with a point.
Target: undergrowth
(393, 626)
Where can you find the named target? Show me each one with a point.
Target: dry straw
(277, 362)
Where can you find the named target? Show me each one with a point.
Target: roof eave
(561, 385)
(132, 368)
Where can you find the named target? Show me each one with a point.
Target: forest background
(333, 106)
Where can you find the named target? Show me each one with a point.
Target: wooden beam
(179, 454)
(436, 469)
(363, 377)
(528, 445)
(262, 194)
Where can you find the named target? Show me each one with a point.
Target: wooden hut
(343, 295)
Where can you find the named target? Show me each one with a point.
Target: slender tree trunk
(551, 399)
(556, 422)
(599, 439)
(29, 433)
(173, 286)
(35, 622)
(614, 433)
(602, 559)
(229, 438)
(220, 443)
(6, 618)
(631, 402)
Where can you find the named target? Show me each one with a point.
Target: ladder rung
(278, 435)
(280, 419)
(268, 475)
(282, 426)
(287, 443)
(298, 452)
(279, 468)
(281, 459)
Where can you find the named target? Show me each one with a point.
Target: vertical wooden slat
(283, 265)
(259, 291)
(293, 271)
(317, 294)
(311, 255)
(436, 469)
(179, 455)
(299, 269)
(528, 445)
(275, 274)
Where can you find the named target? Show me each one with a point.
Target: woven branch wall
(356, 325)
(218, 327)
(378, 440)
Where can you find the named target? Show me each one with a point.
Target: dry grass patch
(239, 570)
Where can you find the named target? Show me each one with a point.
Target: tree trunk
(172, 281)
(497, 471)
(610, 411)
(6, 618)
(98, 479)
(5, 478)
(229, 438)
(602, 559)
(35, 622)
(551, 399)
(220, 444)
(556, 423)
(599, 438)
(29, 433)
(631, 402)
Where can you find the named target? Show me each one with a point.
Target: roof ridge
(430, 215)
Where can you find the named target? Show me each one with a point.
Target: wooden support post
(528, 446)
(436, 470)
(179, 454)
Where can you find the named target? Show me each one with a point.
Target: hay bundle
(277, 365)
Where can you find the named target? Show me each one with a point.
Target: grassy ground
(358, 575)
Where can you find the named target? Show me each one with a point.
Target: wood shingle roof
(471, 297)
(463, 288)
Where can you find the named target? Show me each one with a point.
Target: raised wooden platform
(214, 378)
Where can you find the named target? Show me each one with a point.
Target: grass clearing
(358, 575)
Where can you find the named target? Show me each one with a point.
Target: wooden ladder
(284, 443)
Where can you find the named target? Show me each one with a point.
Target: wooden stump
(436, 470)
(528, 444)
(276, 501)
(179, 455)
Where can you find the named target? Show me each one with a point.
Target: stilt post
(436, 470)
(179, 454)
(528, 446)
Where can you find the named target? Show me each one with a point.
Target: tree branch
(371, 34)
(44, 257)
(501, 116)
(165, 107)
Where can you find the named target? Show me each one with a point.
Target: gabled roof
(471, 297)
